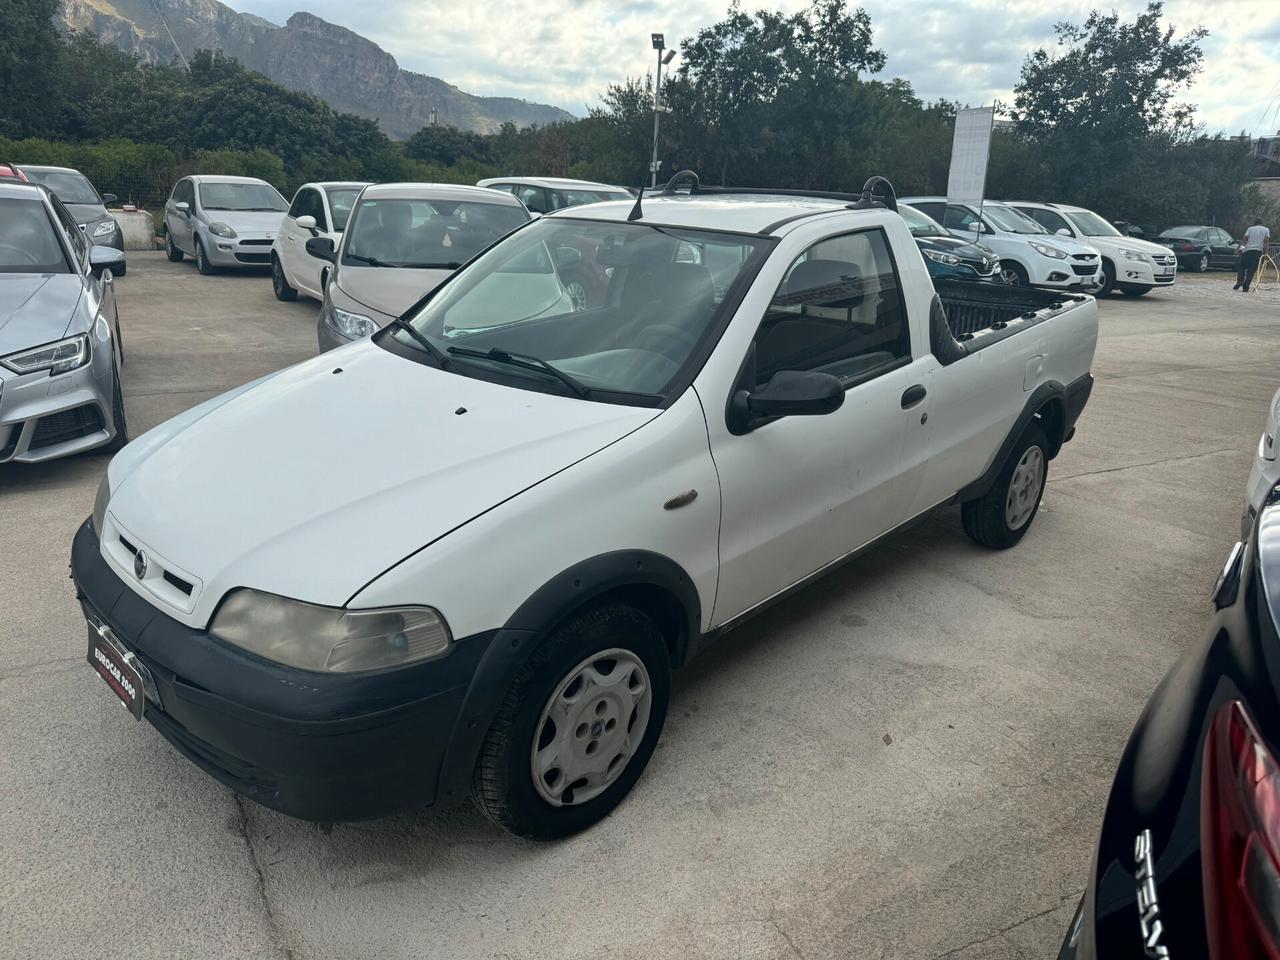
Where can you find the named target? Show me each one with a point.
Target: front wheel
(1001, 517)
(1202, 264)
(279, 283)
(1013, 274)
(202, 262)
(1108, 279)
(171, 249)
(578, 725)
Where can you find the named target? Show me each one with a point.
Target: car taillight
(1240, 839)
(1188, 246)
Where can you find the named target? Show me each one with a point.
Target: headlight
(220, 229)
(57, 357)
(948, 258)
(350, 325)
(105, 229)
(1045, 250)
(1135, 255)
(100, 504)
(329, 639)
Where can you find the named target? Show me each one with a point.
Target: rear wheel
(202, 262)
(578, 725)
(1013, 274)
(170, 248)
(279, 283)
(1001, 516)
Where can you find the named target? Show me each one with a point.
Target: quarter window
(838, 310)
(71, 230)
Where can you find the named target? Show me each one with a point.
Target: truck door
(799, 492)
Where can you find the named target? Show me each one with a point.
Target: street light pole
(659, 43)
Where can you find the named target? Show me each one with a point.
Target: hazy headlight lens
(350, 325)
(57, 357)
(1135, 255)
(100, 504)
(220, 229)
(1045, 250)
(329, 639)
(105, 229)
(948, 258)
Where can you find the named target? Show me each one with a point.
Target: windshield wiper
(431, 349)
(451, 265)
(371, 261)
(528, 361)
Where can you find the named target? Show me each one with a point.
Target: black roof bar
(876, 192)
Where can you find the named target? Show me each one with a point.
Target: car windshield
(621, 308)
(341, 200)
(1010, 220)
(28, 243)
(241, 196)
(1090, 224)
(919, 224)
(576, 198)
(417, 233)
(68, 186)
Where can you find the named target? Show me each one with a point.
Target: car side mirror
(790, 393)
(322, 249)
(1062, 232)
(109, 198)
(183, 207)
(105, 258)
(308, 222)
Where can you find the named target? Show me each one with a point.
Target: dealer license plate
(118, 667)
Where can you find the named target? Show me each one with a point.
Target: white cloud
(567, 51)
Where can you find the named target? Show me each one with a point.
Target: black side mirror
(105, 258)
(322, 249)
(109, 198)
(790, 393)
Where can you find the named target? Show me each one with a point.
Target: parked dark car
(84, 202)
(945, 254)
(1186, 863)
(1199, 248)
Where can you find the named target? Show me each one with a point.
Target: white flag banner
(970, 150)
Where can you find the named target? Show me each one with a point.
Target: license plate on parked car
(118, 667)
(1167, 272)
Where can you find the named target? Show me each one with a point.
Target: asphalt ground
(908, 759)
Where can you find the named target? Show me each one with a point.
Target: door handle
(913, 395)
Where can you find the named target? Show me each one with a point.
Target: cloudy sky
(566, 52)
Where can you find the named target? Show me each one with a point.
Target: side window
(185, 192)
(534, 198)
(71, 230)
(315, 207)
(838, 310)
(1223, 236)
(959, 218)
(296, 209)
(1051, 221)
(935, 210)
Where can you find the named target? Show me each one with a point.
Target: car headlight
(329, 639)
(350, 325)
(57, 357)
(1047, 251)
(950, 259)
(1135, 255)
(100, 504)
(220, 229)
(105, 229)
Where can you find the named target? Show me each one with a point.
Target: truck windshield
(619, 307)
(1090, 224)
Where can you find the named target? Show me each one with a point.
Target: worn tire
(279, 282)
(984, 519)
(117, 415)
(202, 260)
(171, 250)
(502, 784)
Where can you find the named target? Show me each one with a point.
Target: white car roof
(562, 182)
(741, 213)
(438, 191)
(327, 184)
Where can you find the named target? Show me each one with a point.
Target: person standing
(1255, 242)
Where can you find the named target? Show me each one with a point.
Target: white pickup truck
(463, 556)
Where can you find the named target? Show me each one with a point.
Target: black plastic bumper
(316, 746)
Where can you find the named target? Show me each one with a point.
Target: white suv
(1027, 254)
(1129, 265)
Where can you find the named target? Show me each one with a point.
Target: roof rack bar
(876, 192)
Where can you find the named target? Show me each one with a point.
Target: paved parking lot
(908, 759)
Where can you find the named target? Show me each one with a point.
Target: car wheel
(578, 725)
(202, 262)
(279, 283)
(117, 413)
(1135, 291)
(1001, 516)
(1108, 279)
(1203, 263)
(577, 293)
(1012, 274)
(170, 249)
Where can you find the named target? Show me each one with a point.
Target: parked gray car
(83, 202)
(222, 221)
(60, 350)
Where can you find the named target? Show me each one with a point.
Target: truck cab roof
(762, 214)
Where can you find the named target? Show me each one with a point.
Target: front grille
(255, 243)
(1084, 270)
(1168, 279)
(263, 258)
(1083, 256)
(175, 581)
(68, 425)
(1164, 259)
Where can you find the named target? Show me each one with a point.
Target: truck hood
(389, 290)
(36, 308)
(314, 481)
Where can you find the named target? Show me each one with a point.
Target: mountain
(308, 54)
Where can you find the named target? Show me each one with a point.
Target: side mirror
(182, 207)
(1062, 232)
(105, 258)
(109, 198)
(322, 249)
(790, 393)
(307, 222)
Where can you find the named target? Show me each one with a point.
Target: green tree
(28, 64)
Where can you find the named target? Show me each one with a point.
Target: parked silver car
(222, 221)
(83, 202)
(402, 240)
(60, 350)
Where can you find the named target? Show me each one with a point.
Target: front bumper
(324, 747)
(245, 250)
(1068, 275)
(43, 417)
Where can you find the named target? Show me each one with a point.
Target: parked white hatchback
(317, 210)
(1132, 266)
(464, 555)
